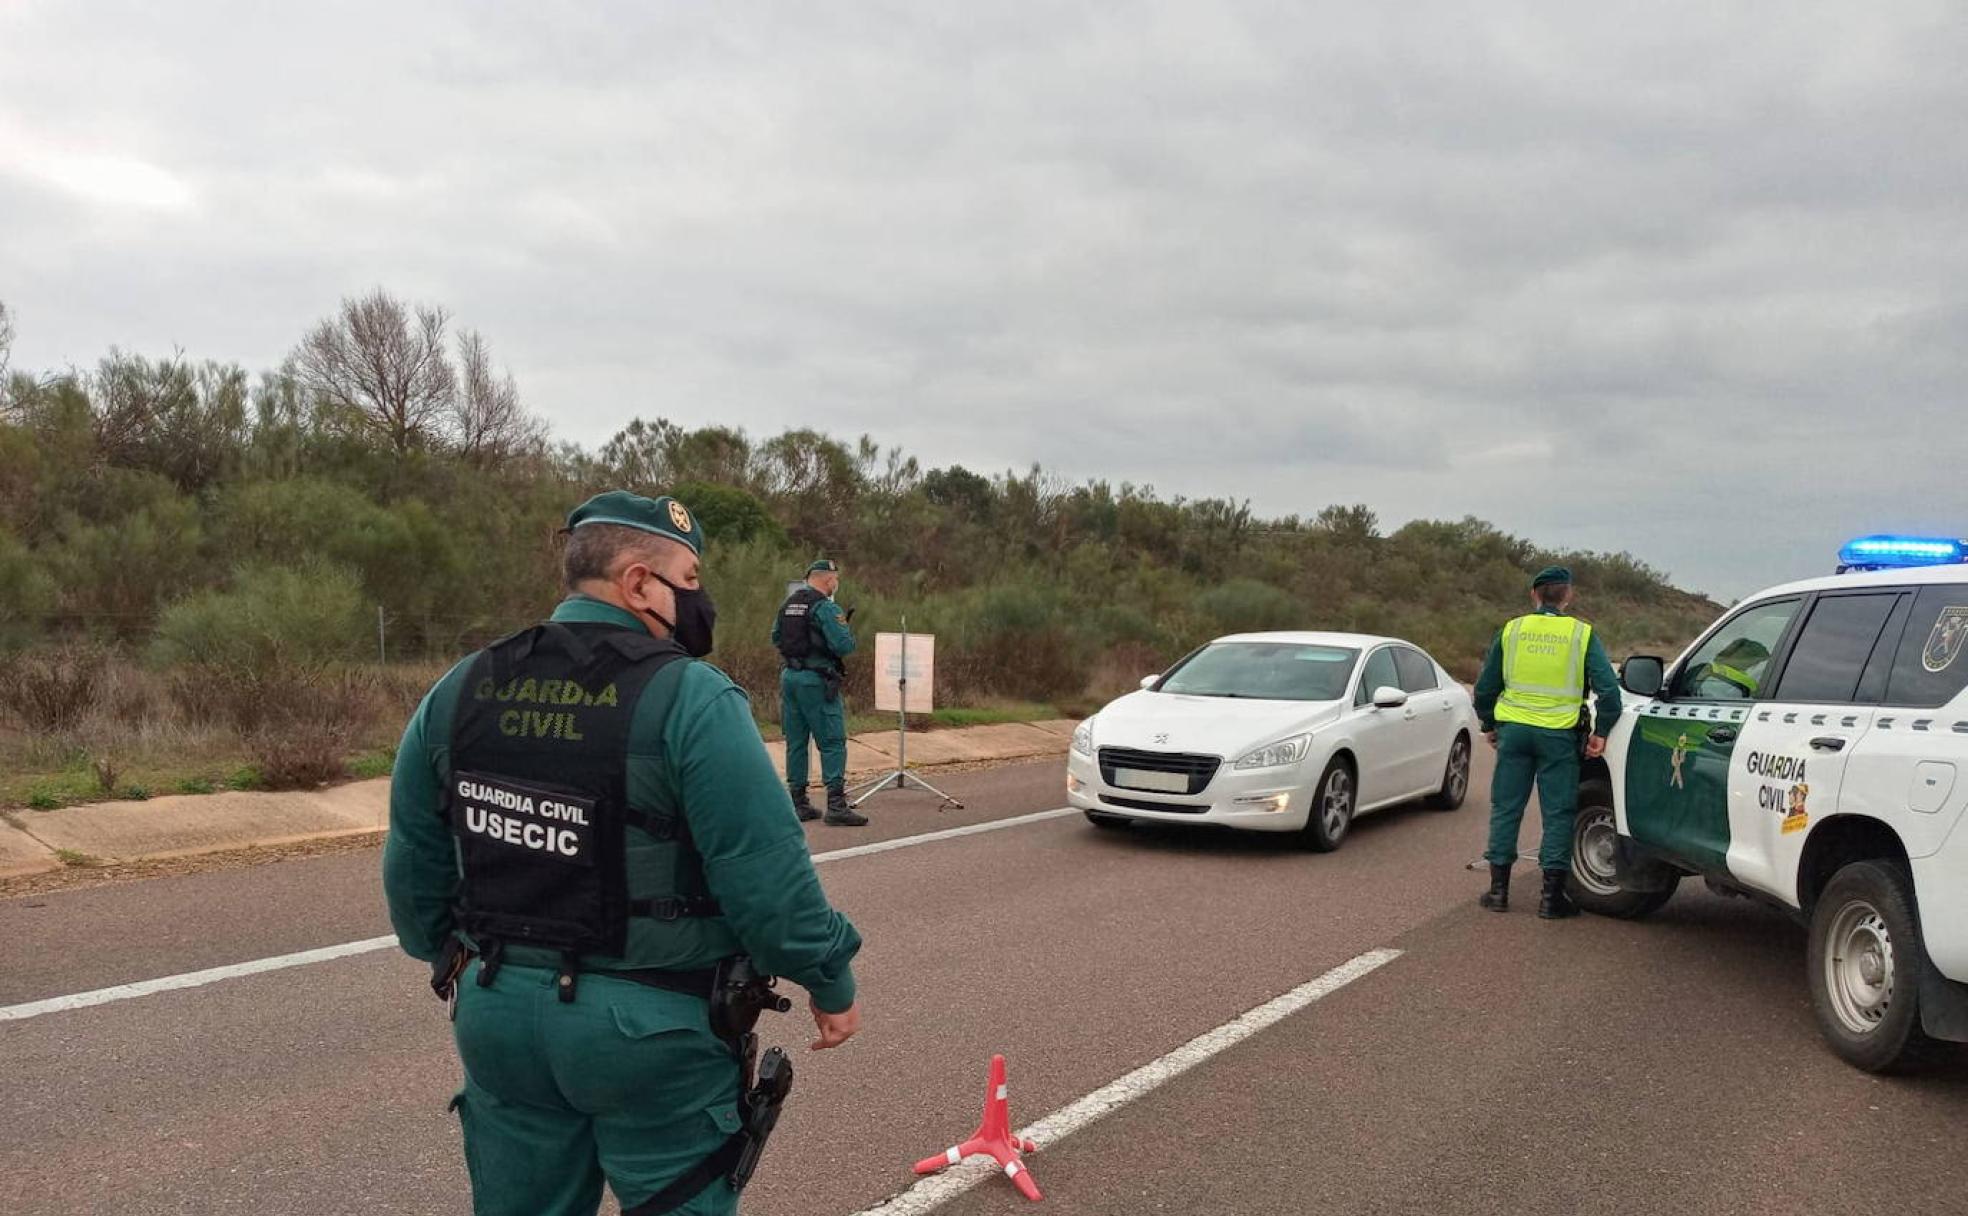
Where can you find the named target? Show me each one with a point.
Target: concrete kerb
(187, 824)
(21, 853)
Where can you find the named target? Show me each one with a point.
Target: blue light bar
(1878, 552)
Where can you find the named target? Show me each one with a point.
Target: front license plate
(1141, 779)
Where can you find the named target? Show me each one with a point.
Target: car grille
(1142, 804)
(1200, 770)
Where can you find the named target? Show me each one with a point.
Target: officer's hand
(1595, 747)
(1491, 736)
(835, 1028)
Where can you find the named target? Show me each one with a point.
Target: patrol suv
(1809, 751)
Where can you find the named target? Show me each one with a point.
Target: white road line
(933, 1192)
(198, 979)
(905, 842)
(191, 979)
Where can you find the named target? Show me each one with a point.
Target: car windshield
(1265, 671)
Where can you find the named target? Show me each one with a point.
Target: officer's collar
(580, 608)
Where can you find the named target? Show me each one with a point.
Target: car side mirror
(1644, 675)
(1389, 697)
(1150, 681)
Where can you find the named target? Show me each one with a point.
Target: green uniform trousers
(625, 1083)
(1528, 755)
(807, 714)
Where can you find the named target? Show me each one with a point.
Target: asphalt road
(1499, 1064)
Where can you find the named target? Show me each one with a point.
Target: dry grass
(181, 731)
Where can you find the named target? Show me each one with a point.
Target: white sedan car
(1278, 732)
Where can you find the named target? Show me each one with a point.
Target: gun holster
(739, 995)
(833, 680)
(449, 964)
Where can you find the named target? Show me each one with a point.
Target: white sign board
(921, 672)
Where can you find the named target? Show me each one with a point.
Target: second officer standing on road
(1529, 699)
(586, 839)
(813, 639)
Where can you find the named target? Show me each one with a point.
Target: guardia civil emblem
(679, 516)
(1945, 642)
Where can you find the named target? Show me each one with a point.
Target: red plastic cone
(994, 1137)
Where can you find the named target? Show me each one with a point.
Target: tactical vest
(537, 792)
(1543, 671)
(799, 637)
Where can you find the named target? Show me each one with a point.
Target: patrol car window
(1264, 671)
(1831, 652)
(1417, 673)
(1931, 668)
(1380, 672)
(1733, 662)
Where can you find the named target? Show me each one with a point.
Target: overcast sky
(1685, 280)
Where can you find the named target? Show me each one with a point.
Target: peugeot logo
(1161, 738)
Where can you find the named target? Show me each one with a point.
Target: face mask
(696, 621)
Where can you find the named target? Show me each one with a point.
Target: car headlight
(1083, 738)
(1277, 755)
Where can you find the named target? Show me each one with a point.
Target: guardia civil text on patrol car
(1811, 751)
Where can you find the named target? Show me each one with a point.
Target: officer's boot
(1555, 904)
(839, 814)
(1497, 898)
(801, 804)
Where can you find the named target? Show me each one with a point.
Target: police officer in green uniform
(586, 836)
(1530, 699)
(813, 639)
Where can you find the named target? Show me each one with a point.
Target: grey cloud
(1688, 285)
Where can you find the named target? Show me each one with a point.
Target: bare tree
(383, 366)
(490, 423)
(6, 344)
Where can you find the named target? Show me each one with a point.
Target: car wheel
(1595, 883)
(1865, 959)
(1331, 814)
(1110, 822)
(1455, 776)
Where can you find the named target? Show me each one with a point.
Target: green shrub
(273, 618)
(1246, 606)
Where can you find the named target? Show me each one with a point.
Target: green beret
(663, 516)
(823, 565)
(1551, 574)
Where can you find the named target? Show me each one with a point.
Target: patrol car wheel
(1594, 883)
(1455, 777)
(1865, 960)
(1110, 822)
(1326, 824)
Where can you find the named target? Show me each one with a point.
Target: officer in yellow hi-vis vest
(1529, 700)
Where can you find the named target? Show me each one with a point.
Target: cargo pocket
(464, 1112)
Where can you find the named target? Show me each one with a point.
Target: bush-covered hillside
(215, 531)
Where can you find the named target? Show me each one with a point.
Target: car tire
(1330, 816)
(1113, 823)
(1455, 776)
(1864, 964)
(1594, 881)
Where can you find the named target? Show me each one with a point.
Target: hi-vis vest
(1543, 671)
(537, 792)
